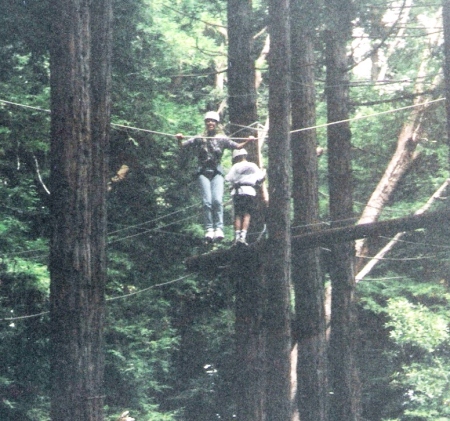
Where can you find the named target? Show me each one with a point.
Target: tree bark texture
(446, 25)
(278, 407)
(309, 325)
(249, 278)
(241, 71)
(345, 399)
(80, 106)
(249, 378)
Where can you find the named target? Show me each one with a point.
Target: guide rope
(361, 117)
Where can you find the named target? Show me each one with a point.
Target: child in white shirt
(244, 177)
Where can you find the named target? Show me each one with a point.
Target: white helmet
(239, 152)
(212, 115)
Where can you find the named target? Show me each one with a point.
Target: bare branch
(371, 264)
(38, 172)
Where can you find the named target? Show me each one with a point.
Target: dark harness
(237, 185)
(209, 173)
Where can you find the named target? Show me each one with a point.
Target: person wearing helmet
(244, 176)
(209, 149)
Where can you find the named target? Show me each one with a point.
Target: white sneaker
(241, 241)
(218, 234)
(209, 235)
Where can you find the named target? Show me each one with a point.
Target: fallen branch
(372, 229)
(374, 260)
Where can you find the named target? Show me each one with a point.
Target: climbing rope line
(242, 128)
(368, 115)
(152, 220)
(385, 209)
(173, 281)
(118, 297)
(30, 316)
(151, 229)
(19, 253)
(258, 129)
(160, 228)
(181, 278)
(401, 259)
(442, 246)
(24, 106)
(141, 130)
(24, 252)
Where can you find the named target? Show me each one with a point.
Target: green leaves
(416, 325)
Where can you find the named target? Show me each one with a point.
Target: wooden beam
(217, 260)
(373, 229)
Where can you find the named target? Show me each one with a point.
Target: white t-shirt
(245, 175)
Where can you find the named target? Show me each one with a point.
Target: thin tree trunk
(401, 23)
(309, 327)
(79, 140)
(345, 398)
(278, 406)
(260, 62)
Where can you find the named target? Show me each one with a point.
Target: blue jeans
(212, 196)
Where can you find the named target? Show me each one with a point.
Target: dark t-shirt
(209, 151)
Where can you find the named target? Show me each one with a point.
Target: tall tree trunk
(250, 338)
(80, 105)
(241, 70)
(249, 281)
(345, 401)
(309, 327)
(277, 318)
(446, 25)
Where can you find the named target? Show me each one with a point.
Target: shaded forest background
(170, 334)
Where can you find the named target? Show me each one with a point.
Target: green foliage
(203, 362)
(414, 318)
(405, 301)
(429, 393)
(24, 281)
(424, 377)
(24, 370)
(140, 341)
(416, 325)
